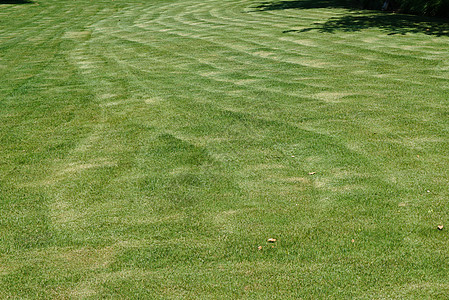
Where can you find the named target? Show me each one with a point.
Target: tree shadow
(16, 2)
(306, 4)
(391, 23)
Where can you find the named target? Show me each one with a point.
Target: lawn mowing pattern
(149, 148)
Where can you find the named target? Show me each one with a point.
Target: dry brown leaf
(260, 247)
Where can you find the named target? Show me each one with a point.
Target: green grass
(148, 148)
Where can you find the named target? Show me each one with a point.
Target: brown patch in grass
(78, 35)
(331, 96)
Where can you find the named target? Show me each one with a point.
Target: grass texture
(149, 149)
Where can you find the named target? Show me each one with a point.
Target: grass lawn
(149, 149)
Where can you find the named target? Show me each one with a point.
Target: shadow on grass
(391, 23)
(305, 4)
(16, 2)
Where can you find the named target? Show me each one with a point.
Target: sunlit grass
(150, 150)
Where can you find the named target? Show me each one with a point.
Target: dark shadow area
(391, 23)
(306, 4)
(16, 2)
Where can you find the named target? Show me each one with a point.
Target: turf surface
(149, 149)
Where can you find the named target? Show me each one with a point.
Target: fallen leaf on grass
(271, 240)
(260, 247)
(312, 173)
(440, 227)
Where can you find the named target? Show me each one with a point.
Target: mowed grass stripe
(195, 85)
(225, 62)
(295, 53)
(165, 141)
